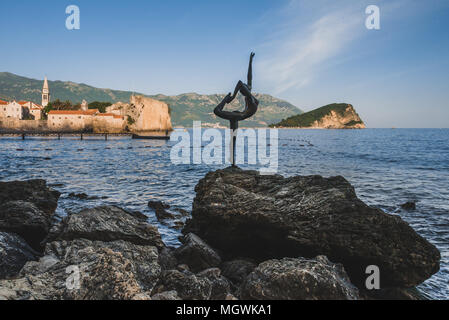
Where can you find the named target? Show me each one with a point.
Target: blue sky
(309, 53)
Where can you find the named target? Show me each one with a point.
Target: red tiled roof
(3, 102)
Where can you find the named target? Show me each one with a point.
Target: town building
(33, 109)
(11, 110)
(71, 120)
(108, 122)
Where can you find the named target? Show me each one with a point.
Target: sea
(387, 167)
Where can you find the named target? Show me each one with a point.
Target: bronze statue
(251, 104)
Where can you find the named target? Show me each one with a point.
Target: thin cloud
(300, 50)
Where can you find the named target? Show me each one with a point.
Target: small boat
(152, 137)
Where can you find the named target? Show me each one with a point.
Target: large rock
(14, 253)
(299, 279)
(144, 258)
(197, 254)
(108, 223)
(34, 191)
(144, 114)
(27, 208)
(246, 214)
(95, 274)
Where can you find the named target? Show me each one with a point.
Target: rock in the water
(197, 254)
(299, 279)
(409, 205)
(27, 208)
(108, 223)
(242, 213)
(186, 284)
(34, 191)
(159, 208)
(14, 253)
(237, 270)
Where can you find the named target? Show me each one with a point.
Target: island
(331, 116)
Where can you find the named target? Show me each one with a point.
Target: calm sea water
(387, 167)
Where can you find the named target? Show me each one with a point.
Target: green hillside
(307, 119)
(185, 108)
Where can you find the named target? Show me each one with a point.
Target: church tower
(45, 93)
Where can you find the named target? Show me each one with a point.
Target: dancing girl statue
(251, 104)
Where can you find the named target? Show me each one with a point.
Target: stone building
(71, 120)
(33, 109)
(108, 122)
(11, 110)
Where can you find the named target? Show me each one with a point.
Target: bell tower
(45, 93)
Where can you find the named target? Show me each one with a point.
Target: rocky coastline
(249, 237)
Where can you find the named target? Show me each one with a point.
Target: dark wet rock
(108, 223)
(299, 279)
(186, 284)
(166, 295)
(197, 254)
(410, 205)
(178, 225)
(27, 208)
(160, 209)
(183, 212)
(84, 196)
(81, 196)
(242, 213)
(27, 220)
(34, 191)
(101, 274)
(167, 259)
(237, 270)
(14, 253)
(145, 259)
(220, 285)
(56, 185)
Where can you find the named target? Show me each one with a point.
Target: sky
(310, 53)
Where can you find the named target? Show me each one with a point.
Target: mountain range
(185, 108)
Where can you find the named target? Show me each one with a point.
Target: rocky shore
(250, 236)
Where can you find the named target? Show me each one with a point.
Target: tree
(101, 106)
